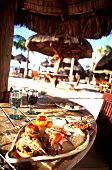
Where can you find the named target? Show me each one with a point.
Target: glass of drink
(32, 97)
(15, 100)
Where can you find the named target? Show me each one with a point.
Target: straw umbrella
(20, 58)
(64, 46)
(87, 18)
(60, 46)
(105, 63)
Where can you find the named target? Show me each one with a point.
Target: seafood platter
(70, 106)
(47, 138)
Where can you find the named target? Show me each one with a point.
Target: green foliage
(87, 66)
(19, 42)
(103, 50)
(106, 48)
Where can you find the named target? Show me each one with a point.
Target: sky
(26, 33)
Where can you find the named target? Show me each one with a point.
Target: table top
(8, 130)
(54, 74)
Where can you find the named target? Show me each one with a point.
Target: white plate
(11, 159)
(64, 106)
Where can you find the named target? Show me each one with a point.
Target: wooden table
(54, 78)
(9, 130)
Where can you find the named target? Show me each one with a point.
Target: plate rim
(56, 103)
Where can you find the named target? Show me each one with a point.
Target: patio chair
(99, 156)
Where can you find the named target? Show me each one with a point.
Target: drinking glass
(15, 100)
(32, 97)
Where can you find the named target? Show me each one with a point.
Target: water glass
(15, 101)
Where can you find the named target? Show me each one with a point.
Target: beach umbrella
(60, 47)
(105, 63)
(20, 58)
(47, 64)
(64, 46)
(78, 18)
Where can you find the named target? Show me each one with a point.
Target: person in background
(77, 76)
(87, 77)
(21, 72)
(62, 71)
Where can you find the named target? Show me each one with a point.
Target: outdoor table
(9, 130)
(54, 77)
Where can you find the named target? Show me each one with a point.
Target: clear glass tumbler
(15, 100)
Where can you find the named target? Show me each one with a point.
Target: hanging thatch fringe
(87, 18)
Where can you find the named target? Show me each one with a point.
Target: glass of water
(15, 100)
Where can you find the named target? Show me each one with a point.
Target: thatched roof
(77, 18)
(19, 58)
(63, 45)
(105, 63)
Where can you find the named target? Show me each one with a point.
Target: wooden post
(57, 64)
(26, 68)
(71, 69)
(6, 39)
(56, 68)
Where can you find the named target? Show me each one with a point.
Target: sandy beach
(84, 94)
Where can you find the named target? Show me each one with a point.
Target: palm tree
(19, 43)
(103, 50)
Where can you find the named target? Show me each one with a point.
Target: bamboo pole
(71, 69)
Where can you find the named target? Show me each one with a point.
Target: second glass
(32, 97)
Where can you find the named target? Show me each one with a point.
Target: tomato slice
(55, 138)
(42, 118)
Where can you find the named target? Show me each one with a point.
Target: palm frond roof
(78, 18)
